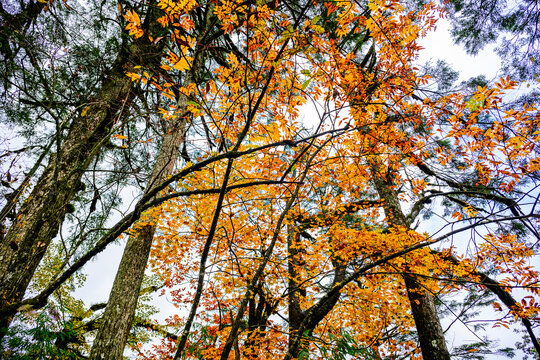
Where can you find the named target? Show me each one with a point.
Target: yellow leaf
(133, 76)
(84, 111)
(182, 64)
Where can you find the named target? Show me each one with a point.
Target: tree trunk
(258, 314)
(426, 319)
(40, 216)
(120, 311)
(301, 322)
(39, 219)
(428, 326)
(296, 316)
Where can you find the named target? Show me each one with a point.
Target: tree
(82, 90)
(118, 316)
(277, 226)
(475, 25)
(387, 136)
(77, 141)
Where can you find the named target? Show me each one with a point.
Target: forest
(286, 174)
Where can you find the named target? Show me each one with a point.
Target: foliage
(314, 151)
(44, 339)
(511, 26)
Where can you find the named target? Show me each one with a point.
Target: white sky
(439, 45)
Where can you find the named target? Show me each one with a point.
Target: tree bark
(428, 326)
(258, 314)
(301, 322)
(40, 216)
(120, 310)
(296, 316)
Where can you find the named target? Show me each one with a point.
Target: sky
(439, 45)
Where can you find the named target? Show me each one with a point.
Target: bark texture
(120, 311)
(296, 316)
(428, 326)
(300, 321)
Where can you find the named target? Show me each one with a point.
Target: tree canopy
(286, 172)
